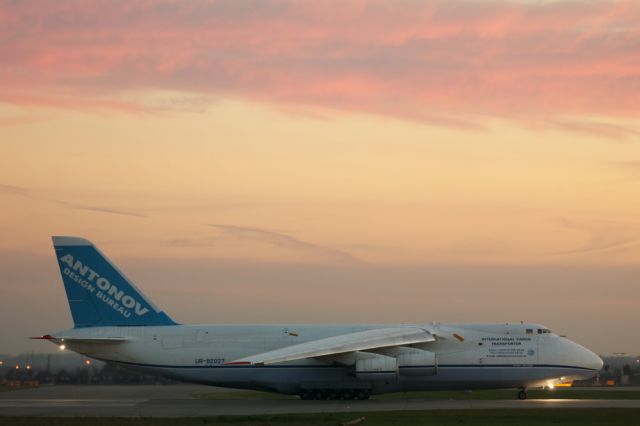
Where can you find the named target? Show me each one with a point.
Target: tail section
(98, 293)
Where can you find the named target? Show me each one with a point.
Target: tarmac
(178, 401)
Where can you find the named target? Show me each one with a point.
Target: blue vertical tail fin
(98, 293)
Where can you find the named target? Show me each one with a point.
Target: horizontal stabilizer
(63, 339)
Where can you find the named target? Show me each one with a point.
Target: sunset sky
(348, 161)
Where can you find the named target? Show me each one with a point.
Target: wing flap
(358, 341)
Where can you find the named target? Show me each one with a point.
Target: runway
(177, 401)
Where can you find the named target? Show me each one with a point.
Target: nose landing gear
(522, 394)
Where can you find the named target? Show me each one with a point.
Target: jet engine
(377, 367)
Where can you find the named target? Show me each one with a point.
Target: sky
(327, 162)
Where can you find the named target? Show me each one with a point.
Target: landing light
(551, 386)
(63, 347)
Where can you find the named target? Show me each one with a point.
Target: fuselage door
(202, 337)
(531, 348)
(542, 336)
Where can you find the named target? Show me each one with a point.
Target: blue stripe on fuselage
(339, 366)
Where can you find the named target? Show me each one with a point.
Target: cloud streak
(629, 166)
(14, 190)
(26, 192)
(100, 209)
(440, 62)
(603, 238)
(596, 128)
(285, 241)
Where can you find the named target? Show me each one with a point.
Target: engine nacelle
(412, 361)
(417, 362)
(377, 367)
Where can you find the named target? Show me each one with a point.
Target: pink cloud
(444, 62)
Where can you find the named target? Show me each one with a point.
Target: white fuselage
(468, 356)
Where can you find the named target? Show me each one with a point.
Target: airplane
(115, 322)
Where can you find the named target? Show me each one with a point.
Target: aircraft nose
(590, 360)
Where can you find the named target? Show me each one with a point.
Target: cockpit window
(543, 331)
(529, 331)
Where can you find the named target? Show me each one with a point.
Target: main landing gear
(334, 394)
(522, 394)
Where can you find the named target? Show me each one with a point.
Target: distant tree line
(631, 371)
(106, 374)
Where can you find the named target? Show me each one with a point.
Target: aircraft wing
(345, 343)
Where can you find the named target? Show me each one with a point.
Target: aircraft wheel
(522, 394)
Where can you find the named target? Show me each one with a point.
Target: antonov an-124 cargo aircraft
(115, 322)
